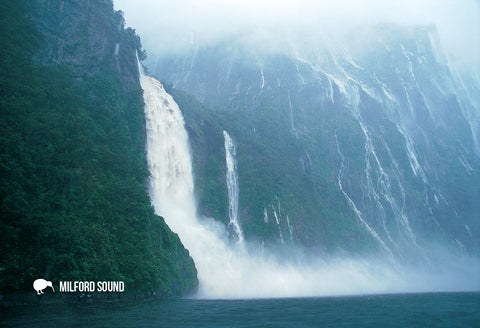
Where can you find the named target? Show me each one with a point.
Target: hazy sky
(169, 24)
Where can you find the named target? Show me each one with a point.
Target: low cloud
(173, 25)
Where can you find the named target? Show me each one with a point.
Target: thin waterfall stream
(233, 190)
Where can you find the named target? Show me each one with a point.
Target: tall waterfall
(171, 188)
(171, 182)
(232, 186)
(230, 272)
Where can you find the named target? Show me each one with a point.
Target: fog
(173, 25)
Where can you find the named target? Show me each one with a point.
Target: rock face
(73, 198)
(371, 143)
(85, 36)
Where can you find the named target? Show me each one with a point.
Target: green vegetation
(73, 201)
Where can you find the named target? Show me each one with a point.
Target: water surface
(407, 310)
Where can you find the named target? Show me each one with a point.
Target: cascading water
(230, 272)
(171, 187)
(232, 187)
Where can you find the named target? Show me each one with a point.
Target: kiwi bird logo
(40, 284)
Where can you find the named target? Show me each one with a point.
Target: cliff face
(86, 36)
(370, 144)
(73, 199)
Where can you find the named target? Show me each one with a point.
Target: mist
(171, 26)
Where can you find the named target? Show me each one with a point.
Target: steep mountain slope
(73, 200)
(360, 144)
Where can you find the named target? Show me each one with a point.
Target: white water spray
(233, 189)
(225, 271)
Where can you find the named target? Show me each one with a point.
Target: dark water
(409, 310)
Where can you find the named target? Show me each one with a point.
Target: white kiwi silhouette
(40, 284)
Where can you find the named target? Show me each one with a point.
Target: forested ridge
(73, 198)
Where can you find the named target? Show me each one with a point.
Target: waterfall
(171, 182)
(171, 188)
(233, 190)
(230, 272)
